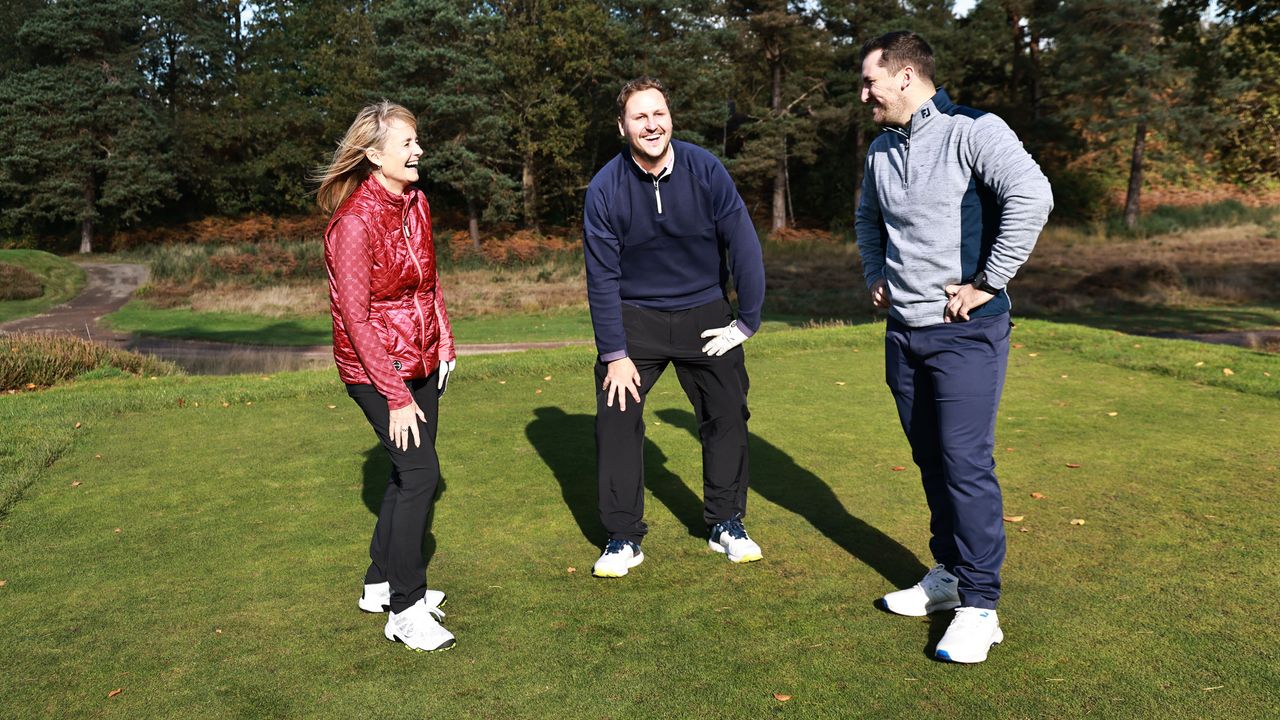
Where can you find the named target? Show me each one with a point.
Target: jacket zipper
(657, 193)
(422, 317)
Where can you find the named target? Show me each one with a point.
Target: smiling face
(885, 92)
(646, 124)
(398, 157)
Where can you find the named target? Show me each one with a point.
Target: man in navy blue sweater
(663, 228)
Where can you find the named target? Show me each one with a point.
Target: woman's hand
(403, 424)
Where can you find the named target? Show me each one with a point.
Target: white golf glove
(446, 367)
(723, 339)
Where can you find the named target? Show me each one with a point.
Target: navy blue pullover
(662, 242)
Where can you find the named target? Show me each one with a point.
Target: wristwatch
(980, 281)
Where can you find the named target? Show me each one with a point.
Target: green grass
(62, 281)
(181, 323)
(207, 562)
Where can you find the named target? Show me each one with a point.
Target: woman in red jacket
(393, 346)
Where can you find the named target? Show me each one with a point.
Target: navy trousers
(717, 388)
(946, 380)
(395, 551)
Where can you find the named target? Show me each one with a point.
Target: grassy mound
(59, 280)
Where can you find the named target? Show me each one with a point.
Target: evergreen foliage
(116, 114)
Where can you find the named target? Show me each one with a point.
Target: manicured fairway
(205, 559)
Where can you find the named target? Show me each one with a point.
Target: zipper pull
(657, 193)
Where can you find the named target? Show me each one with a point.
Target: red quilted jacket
(401, 329)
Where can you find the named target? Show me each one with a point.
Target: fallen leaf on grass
(573, 570)
(1064, 377)
(1200, 364)
(75, 483)
(76, 426)
(248, 402)
(1017, 346)
(1013, 518)
(1073, 465)
(780, 697)
(1228, 372)
(502, 382)
(1024, 529)
(839, 383)
(217, 631)
(1033, 354)
(182, 402)
(118, 531)
(1112, 414)
(98, 456)
(1008, 449)
(1137, 345)
(546, 377)
(1215, 687)
(332, 407)
(31, 386)
(264, 377)
(899, 468)
(115, 692)
(538, 391)
(1037, 496)
(226, 404)
(3, 583)
(1077, 521)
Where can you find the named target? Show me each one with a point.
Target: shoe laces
(967, 617)
(615, 546)
(733, 526)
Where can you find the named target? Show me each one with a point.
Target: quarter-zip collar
(663, 174)
(402, 203)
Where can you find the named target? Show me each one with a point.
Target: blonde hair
(350, 167)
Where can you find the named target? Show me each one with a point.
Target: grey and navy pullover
(661, 242)
(949, 195)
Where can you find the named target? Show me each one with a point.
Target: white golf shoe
(376, 598)
(935, 592)
(418, 628)
(730, 538)
(618, 557)
(971, 634)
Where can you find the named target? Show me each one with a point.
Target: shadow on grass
(377, 474)
(777, 477)
(566, 444)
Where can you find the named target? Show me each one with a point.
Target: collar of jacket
(939, 104)
(664, 173)
(380, 193)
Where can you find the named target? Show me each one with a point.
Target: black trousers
(395, 553)
(717, 388)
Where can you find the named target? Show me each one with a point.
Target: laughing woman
(393, 346)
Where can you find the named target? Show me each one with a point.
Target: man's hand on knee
(622, 378)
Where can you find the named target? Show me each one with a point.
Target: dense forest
(119, 114)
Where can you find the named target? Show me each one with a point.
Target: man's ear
(621, 131)
(908, 74)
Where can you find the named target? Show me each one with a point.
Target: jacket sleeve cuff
(615, 355)
(745, 329)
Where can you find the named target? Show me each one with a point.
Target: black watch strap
(980, 281)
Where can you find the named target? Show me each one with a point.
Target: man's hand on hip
(622, 378)
(962, 300)
(880, 294)
(723, 339)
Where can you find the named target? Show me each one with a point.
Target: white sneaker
(730, 538)
(619, 556)
(418, 630)
(376, 598)
(935, 592)
(971, 634)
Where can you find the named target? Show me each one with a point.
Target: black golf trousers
(395, 553)
(717, 388)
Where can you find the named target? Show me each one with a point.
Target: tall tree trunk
(1133, 197)
(859, 138)
(1015, 77)
(1033, 54)
(473, 222)
(86, 225)
(529, 187)
(780, 169)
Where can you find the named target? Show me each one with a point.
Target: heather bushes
(40, 360)
(19, 283)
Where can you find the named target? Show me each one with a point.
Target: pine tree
(83, 141)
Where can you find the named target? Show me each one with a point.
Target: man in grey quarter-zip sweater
(952, 205)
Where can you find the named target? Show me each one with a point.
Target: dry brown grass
(278, 301)
(534, 288)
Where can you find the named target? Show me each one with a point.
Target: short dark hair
(900, 49)
(644, 82)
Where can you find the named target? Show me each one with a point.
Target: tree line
(124, 113)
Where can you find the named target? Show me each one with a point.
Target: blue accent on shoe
(733, 526)
(617, 546)
(942, 655)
